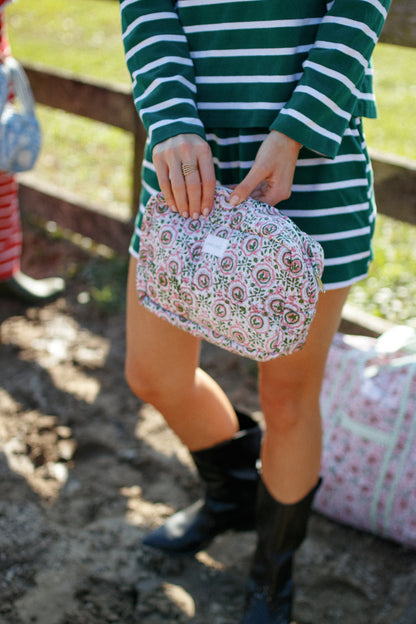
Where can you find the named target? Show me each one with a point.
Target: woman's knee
(288, 401)
(156, 384)
(143, 384)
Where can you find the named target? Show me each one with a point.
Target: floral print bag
(369, 447)
(245, 278)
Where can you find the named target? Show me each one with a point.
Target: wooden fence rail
(395, 178)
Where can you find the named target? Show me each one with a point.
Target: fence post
(136, 177)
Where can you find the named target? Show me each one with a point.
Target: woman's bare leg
(162, 369)
(290, 387)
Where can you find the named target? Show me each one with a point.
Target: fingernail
(185, 215)
(195, 215)
(206, 212)
(234, 200)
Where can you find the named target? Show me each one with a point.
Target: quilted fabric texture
(20, 141)
(245, 278)
(20, 133)
(369, 415)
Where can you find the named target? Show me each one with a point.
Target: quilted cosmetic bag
(245, 278)
(20, 133)
(369, 417)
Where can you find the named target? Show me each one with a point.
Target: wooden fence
(395, 177)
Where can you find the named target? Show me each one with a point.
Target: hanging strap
(20, 83)
(4, 87)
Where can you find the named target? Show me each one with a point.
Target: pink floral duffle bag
(369, 417)
(245, 278)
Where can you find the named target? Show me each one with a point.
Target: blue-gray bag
(20, 133)
(4, 86)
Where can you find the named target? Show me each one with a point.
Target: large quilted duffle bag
(369, 415)
(245, 278)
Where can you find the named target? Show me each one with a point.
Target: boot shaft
(229, 474)
(281, 530)
(282, 527)
(226, 467)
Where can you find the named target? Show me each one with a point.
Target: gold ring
(188, 168)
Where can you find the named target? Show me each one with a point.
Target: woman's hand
(191, 194)
(270, 178)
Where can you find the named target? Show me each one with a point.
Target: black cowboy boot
(229, 473)
(33, 291)
(281, 530)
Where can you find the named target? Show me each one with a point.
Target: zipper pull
(318, 279)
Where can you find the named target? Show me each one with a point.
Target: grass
(390, 290)
(81, 36)
(95, 160)
(395, 85)
(80, 155)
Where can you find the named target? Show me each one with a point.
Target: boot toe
(261, 609)
(184, 533)
(32, 291)
(192, 529)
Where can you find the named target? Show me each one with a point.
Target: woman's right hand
(192, 195)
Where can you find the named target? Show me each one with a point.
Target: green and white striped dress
(231, 70)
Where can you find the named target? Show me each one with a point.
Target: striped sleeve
(162, 71)
(324, 100)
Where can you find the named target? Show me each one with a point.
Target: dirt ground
(86, 470)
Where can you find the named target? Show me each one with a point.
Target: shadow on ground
(86, 470)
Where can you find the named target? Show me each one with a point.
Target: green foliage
(93, 160)
(105, 284)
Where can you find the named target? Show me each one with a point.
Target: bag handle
(20, 83)
(4, 87)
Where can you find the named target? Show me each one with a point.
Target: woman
(266, 96)
(13, 282)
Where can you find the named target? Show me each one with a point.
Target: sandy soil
(86, 469)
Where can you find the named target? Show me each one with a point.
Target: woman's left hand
(271, 176)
